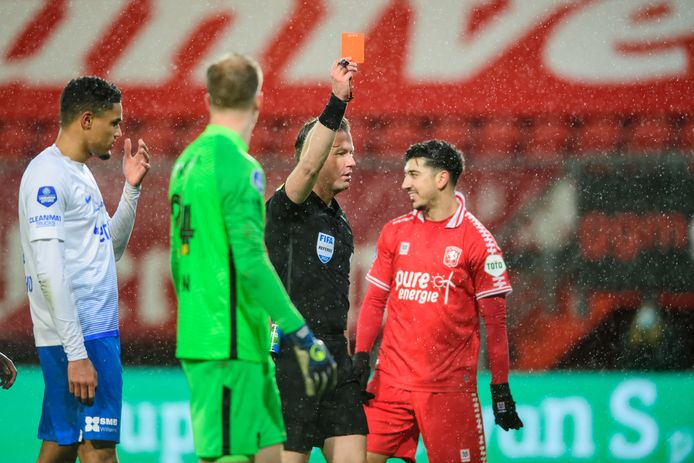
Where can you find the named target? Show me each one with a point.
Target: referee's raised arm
(320, 137)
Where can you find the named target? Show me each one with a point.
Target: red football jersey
(435, 273)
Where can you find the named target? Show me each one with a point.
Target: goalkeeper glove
(317, 365)
(362, 370)
(504, 407)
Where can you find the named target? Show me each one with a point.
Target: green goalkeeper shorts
(235, 408)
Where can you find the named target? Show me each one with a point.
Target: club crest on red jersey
(404, 248)
(451, 256)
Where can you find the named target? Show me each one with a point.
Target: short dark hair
(439, 154)
(306, 128)
(88, 93)
(233, 81)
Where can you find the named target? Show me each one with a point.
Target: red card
(353, 45)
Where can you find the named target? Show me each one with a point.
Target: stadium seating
(360, 136)
(453, 129)
(262, 138)
(184, 132)
(651, 135)
(15, 139)
(26, 137)
(548, 138)
(599, 135)
(136, 129)
(274, 136)
(397, 134)
(368, 134)
(498, 137)
(686, 140)
(159, 136)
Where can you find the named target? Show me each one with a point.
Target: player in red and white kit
(438, 269)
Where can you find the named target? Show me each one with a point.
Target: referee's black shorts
(310, 421)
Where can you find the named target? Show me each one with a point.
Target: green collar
(214, 129)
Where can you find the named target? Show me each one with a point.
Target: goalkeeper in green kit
(226, 287)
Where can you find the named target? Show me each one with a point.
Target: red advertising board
(445, 57)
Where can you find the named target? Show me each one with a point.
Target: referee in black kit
(310, 244)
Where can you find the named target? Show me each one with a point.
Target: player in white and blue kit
(70, 246)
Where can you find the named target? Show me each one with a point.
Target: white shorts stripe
(480, 428)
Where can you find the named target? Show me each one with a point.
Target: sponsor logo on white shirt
(103, 232)
(96, 207)
(45, 220)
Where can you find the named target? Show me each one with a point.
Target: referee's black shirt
(310, 245)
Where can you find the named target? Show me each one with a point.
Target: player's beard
(417, 203)
(421, 205)
(103, 153)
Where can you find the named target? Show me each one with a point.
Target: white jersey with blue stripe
(59, 199)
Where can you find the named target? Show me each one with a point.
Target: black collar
(333, 208)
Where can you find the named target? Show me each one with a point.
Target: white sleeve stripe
(377, 282)
(492, 292)
(48, 233)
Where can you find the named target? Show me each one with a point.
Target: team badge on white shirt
(46, 196)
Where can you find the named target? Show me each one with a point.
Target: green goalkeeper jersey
(226, 287)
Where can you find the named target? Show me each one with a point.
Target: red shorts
(450, 423)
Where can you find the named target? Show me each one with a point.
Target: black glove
(362, 370)
(317, 365)
(504, 407)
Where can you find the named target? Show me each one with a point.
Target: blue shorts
(63, 418)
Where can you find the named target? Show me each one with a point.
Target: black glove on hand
(504, 407)
(317, 365)
(362, 370)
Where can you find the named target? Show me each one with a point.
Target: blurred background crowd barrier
(567, 416)
(576, 118)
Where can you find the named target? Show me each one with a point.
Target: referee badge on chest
(325, 247)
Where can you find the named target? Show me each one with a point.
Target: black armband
(331, 117)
